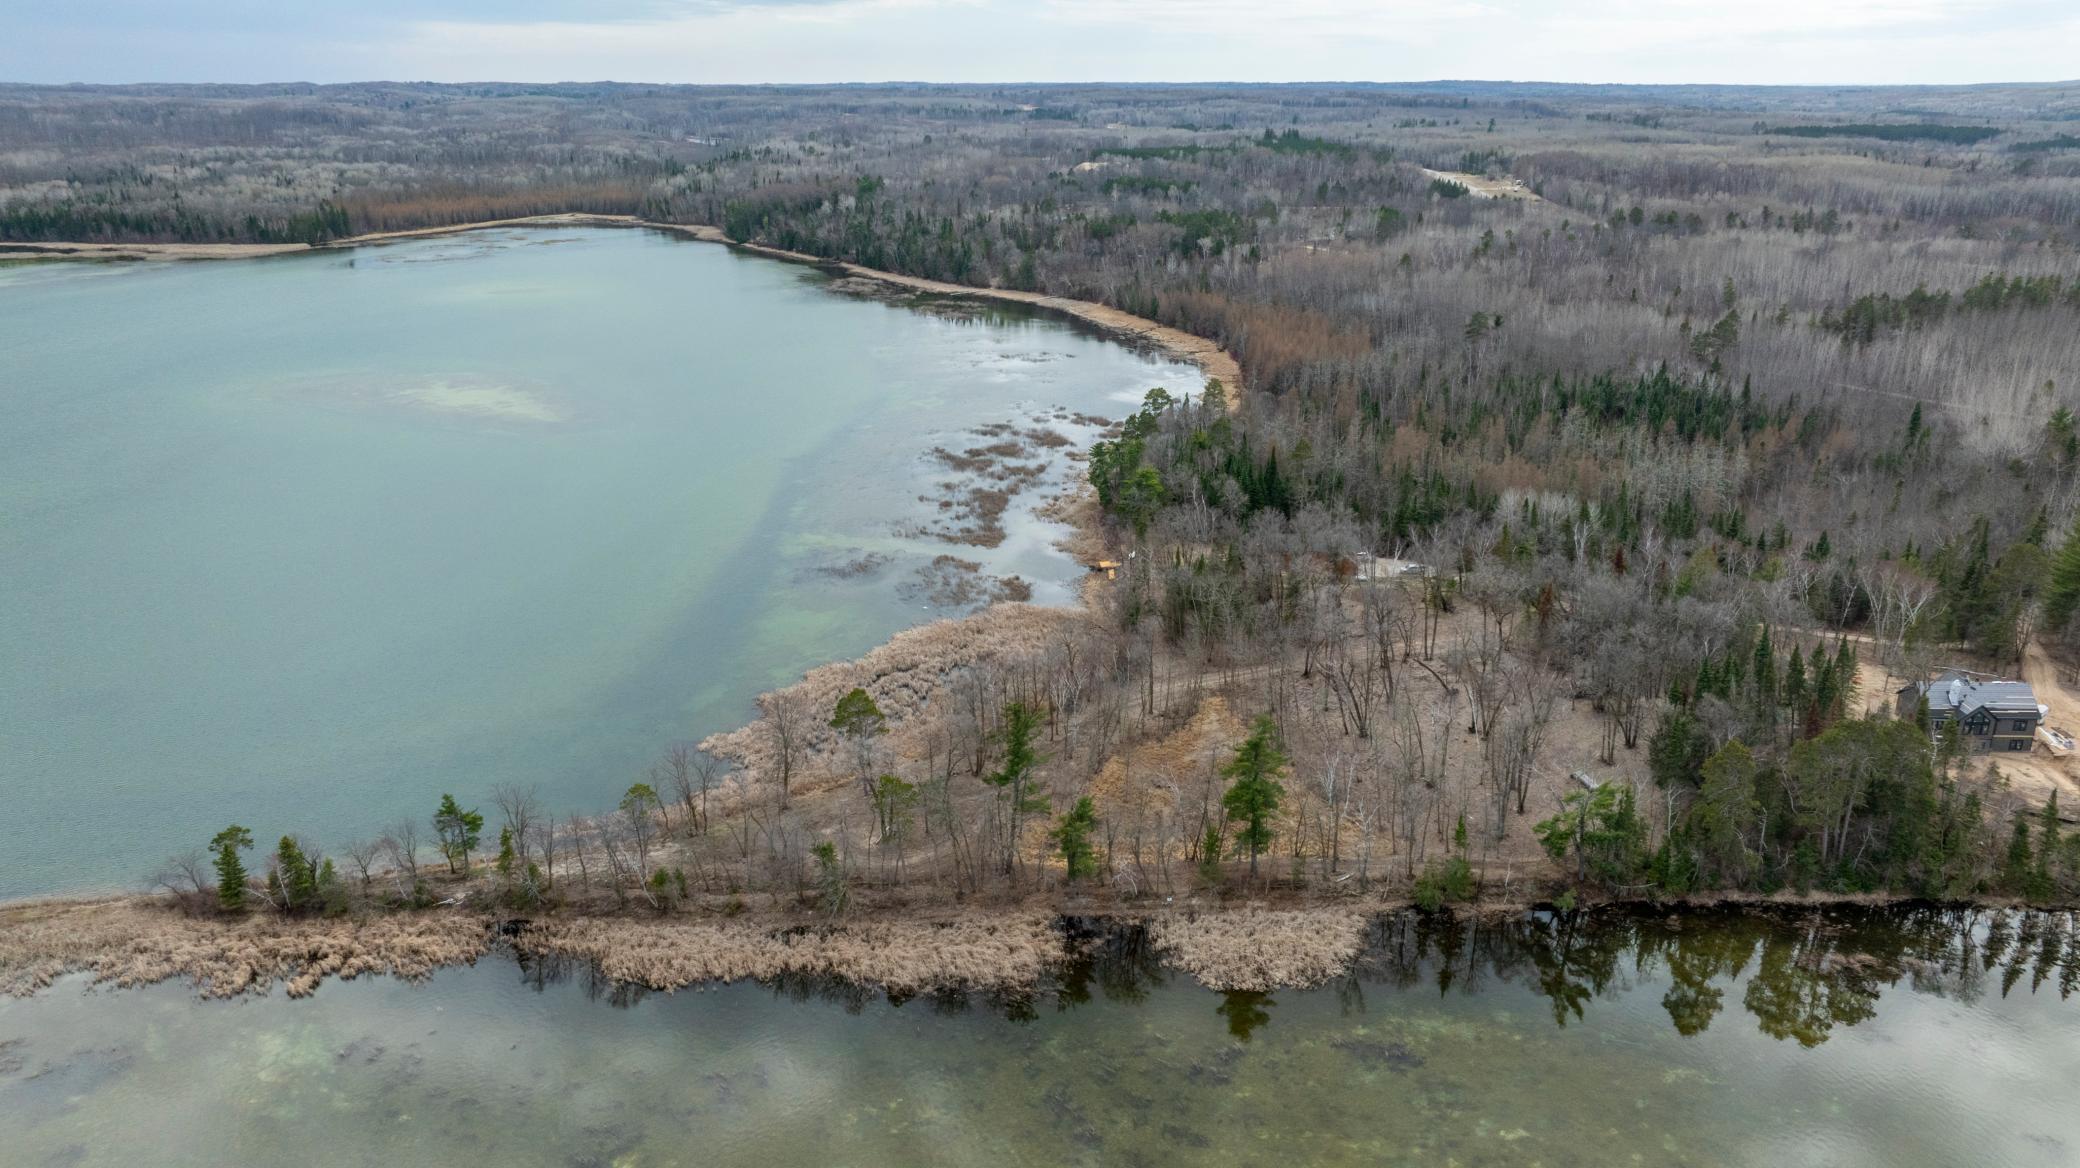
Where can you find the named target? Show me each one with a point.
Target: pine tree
(2063, 594)
(1764, 673)
(861, 721)
(231, 872)
(457, 832)
(331, 893)
(2016, 869)
(1254, 795)
(1072, 834)
(1021, 759)
(294, 878)
(2047, 849)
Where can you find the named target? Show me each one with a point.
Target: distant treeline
(95, 221)
(1892, 132)
(1870, 315)
(2040, 145)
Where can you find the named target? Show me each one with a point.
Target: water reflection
(1800, 974)
(1916, 1038)
(1246, 1011)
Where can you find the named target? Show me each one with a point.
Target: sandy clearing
(1482, 187)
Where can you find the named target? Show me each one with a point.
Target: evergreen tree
(1253, 794)
(457, 832)
(1021, 758)
(1211, 843)
(861, 721)
(1677, 750)
(298, 878)
(1723, 814)
(894, 801)
(2045, 881)
(1601, 830)
(231, 872)
(2017, 871)
(331, 891)
(1072, 834)
(1764, 674)
(2062, 595)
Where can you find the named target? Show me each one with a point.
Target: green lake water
(304, 542)
(1908, 1039)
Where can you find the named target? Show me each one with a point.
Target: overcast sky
(1733, 41)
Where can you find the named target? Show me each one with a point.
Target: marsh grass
(1261, 949)
(137, 942)
(984, 952)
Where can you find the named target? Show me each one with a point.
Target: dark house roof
(1960, 693)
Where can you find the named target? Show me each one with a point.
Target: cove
(1913, 1038)
(304, 542)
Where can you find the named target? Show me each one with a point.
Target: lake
(304, 542)
(1910, 1038)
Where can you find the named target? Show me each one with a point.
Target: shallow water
(304, 542)
(1910, 1039)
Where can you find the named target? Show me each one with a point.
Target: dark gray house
(1992, 715)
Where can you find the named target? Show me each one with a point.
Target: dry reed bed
(1261, 949)
(907, 956)
(136, 942)
(141, 942)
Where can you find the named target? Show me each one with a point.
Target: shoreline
(1256, 945)
(1247, 943)
(128, 938)
(925, 651)
(1209, 357)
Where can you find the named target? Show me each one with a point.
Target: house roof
(1962, 693)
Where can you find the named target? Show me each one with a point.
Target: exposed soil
(1483, 187)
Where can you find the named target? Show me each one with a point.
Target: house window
(2018, 744)
(2022, 726)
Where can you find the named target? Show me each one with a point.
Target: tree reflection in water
(1245, 1010)
(1801, 973)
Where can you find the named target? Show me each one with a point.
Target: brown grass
(1001, 952)
(136, 941)
(1261, 949)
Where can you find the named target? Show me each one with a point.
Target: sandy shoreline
(1211, 359)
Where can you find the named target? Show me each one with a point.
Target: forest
(1649, 434)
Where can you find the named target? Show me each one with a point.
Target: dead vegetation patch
(855, 567)
(954, 583)
(1261, 949)
(996, 952)
(140, 942)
